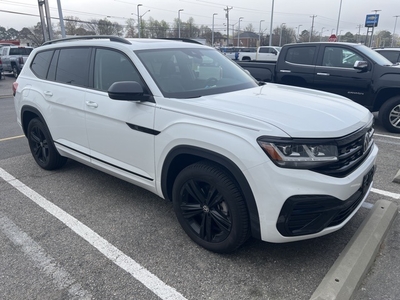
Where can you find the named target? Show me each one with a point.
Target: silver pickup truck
(13, 58)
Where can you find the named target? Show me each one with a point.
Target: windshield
(194, 72)
(375, 56)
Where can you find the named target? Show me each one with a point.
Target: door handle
(48, 93)
(323, 74)
(285, 71)
(91, 104)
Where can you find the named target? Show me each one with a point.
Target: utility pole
(272, 18)
(359, 32)
(338, 20)
(312, 26)
(394, 30)
(227, 23)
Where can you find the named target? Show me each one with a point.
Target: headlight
(299, 154)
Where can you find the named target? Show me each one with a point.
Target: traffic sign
(332, 38)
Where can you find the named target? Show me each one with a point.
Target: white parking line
(385, 193)
(152, 282)
(388, 136)
(61, 278)
(12, 138)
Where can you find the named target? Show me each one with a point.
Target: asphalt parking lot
(77, 233)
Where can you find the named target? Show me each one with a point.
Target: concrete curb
(397, 177)
(353, 263)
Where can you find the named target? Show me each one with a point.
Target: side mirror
(360, 65)
(127, 91)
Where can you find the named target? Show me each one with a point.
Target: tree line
(152, 28)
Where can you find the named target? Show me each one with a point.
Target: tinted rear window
(301, 55)
(20, 51)
(73, 66)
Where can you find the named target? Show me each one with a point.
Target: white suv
(237, 158)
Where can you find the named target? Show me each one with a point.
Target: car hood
(297, 111)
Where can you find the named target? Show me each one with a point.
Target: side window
(339, 57)
(73, 66)
(264, 50)
(393, 56)
(111, 66)
(41, 62)
(300, 55)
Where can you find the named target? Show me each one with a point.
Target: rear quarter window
(300, 55)
(41, 62)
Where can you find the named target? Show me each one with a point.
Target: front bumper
(301, 204)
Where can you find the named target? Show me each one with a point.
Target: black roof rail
(186, 40)
(112, 38)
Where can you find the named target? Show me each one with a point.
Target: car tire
(42, 147)
(389, 114)
(210, 207)
(15, 71)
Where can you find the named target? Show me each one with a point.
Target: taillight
(14, 87)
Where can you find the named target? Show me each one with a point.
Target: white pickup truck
(13, 58)
(262, 53)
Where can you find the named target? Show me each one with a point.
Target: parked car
(262, 53)
(14, 57)
(351, 70)
(392, 54)
(236, 158)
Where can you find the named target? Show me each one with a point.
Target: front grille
(352, 150)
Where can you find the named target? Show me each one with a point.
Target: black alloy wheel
(210, 207)
(42, 147)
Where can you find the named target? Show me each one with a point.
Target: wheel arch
(384, 95)
(182, 156)
(27, 114)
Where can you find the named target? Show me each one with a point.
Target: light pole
(320, 34)
(212, 32)
(340, 35)
(238, 43)
(338, 19)
(373, 27)
(394, 30)
(280, 35)
(298, 31)
(270, 29)
(179, 23)
(259, 34)
(138, 19)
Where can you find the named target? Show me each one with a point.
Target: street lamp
(238, 43)
(138, 19)
(298, 31)
(179, 23)
(280, 35)
(212, 32)
(320, 34)
(259, 34)
(394, 30)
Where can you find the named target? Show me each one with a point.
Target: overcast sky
(24, 13)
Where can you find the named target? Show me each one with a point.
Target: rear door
(335, 73)
(63, 77)
(296, 65)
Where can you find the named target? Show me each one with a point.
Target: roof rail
(112, 38)
(186, 40)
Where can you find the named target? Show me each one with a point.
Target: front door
(335, 73)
